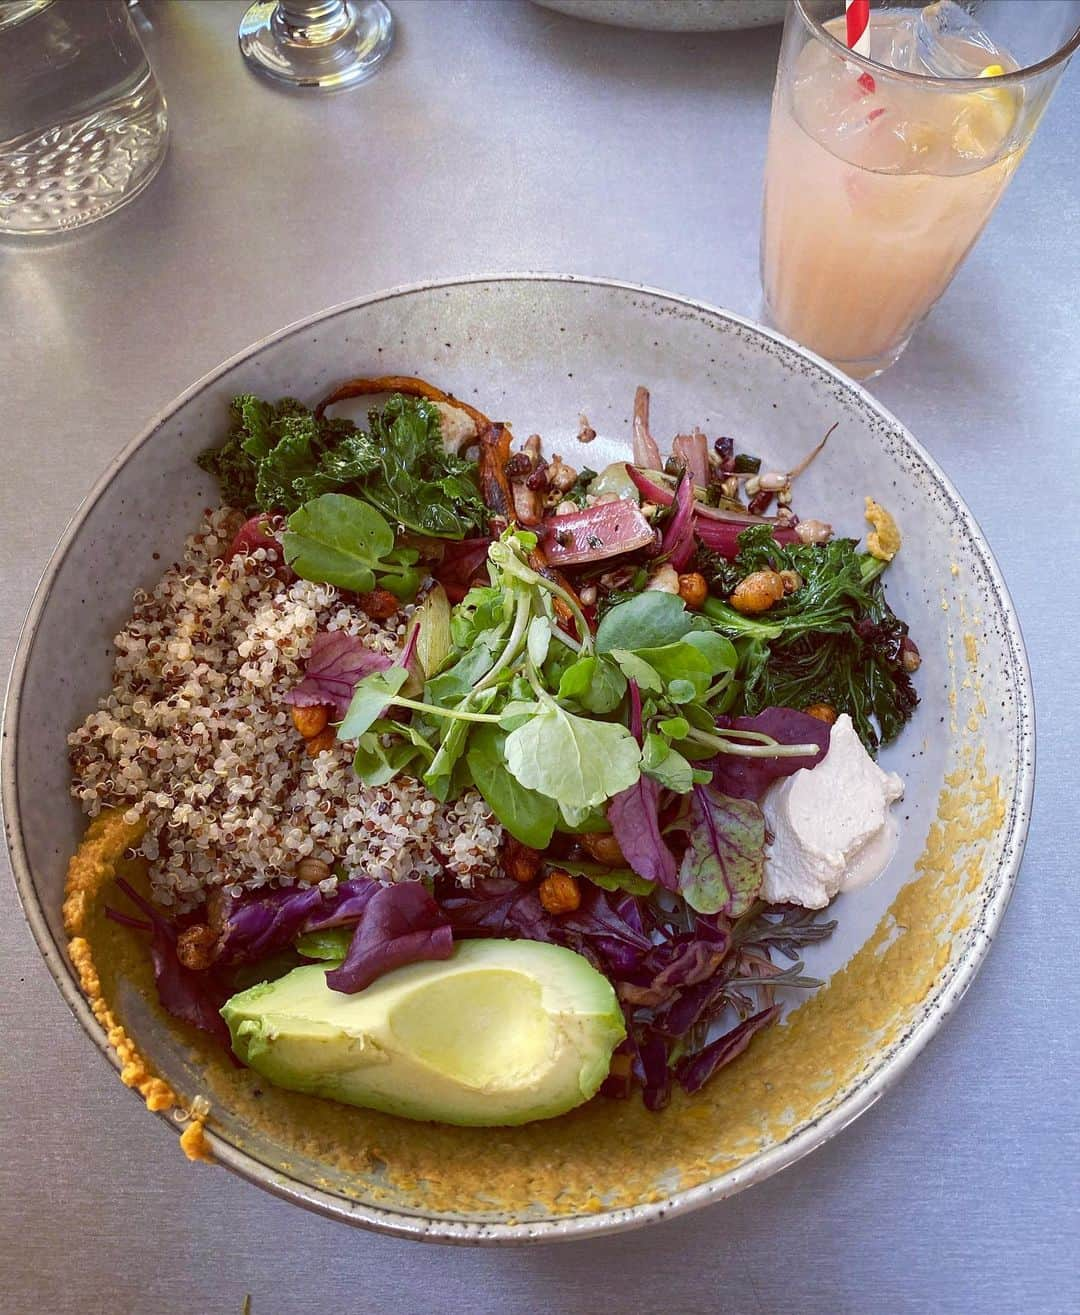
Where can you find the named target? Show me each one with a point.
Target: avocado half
(503, 1032)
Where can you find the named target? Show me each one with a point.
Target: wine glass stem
(329, 15)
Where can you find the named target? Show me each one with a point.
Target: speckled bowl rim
(863, 1093)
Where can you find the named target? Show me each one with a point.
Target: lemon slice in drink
(986, 118)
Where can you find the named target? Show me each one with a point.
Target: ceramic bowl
(537, 351)
(674, 15)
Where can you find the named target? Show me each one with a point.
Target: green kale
(420, 484)
(279, 456)
(834, 640)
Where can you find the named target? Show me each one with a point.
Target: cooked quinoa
(197, 740)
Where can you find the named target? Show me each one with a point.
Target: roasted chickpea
(757, 592)
(195, 947)
(320, 743)
(822, 711)
(602, 846)
(379, 604)
(559, 892)
(693, 590)
(519, 861)
(310, 721)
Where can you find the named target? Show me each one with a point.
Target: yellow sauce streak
(91, 869)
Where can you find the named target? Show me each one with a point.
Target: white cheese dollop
(831, 825)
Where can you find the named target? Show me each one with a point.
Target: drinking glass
(83, 124)
(317, 43)
(882, 172)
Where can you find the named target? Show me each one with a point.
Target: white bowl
(537, 350)
(674, 15)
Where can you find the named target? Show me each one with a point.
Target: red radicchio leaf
(694, 1071)
(402, 924)
(678, 545)
(336, 662)
(748, 778)
(724, 863)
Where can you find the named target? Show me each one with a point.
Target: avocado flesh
(503, 1032)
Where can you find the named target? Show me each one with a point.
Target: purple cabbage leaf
(402, 924)
(694, 1071)
(257, 924)
(194, 997)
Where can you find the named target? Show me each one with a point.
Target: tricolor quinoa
(197, 739)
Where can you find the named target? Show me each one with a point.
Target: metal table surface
(502, 137)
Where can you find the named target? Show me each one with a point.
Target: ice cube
(951, 43)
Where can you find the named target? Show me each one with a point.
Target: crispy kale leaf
(279, 456)
(834, 640)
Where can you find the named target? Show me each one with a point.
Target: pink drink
(874, 193)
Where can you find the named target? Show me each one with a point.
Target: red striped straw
(857, 13)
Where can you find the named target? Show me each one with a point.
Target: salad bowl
(540, 351)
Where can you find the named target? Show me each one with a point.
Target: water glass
(83, 124)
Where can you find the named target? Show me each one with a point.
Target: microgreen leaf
(577, 762)
(636, 668)
(371, 696)
(528, 816)
(648, 620)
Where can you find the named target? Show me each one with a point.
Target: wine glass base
(331, 55)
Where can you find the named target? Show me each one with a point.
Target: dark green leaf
(338, 540)
(648, 620)
(528, 816)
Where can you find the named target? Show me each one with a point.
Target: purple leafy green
(749, 778)
(402, 924)
(259, 923)
(634, 815)
(694, 1071)
(193, 997)
(336, 662)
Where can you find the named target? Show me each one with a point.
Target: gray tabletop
(503, 137)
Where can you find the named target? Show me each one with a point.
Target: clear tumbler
(83, 125)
